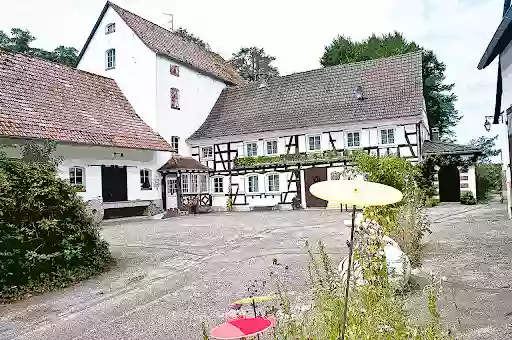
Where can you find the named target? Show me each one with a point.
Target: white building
(108, 152)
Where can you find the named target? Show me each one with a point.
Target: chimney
(434, 136)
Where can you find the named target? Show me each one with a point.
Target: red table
(241, 328)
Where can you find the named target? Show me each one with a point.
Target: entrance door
(114, 186)
(312, 176)
(449, 184)
(172, 198)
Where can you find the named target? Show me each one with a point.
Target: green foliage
(47, 238)
(467, 198)
(489, 180)
(439, 98)
(431, 202)
(292, 158)
(20, 41)
(374, 311)
(486, 144)
(253, 63)
(182, 32)
(40, 153)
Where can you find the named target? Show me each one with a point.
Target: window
(110, 59)
(193, 183)
(110, 28)
(175, 143)
(203, 182)
(464, 178)
(145, 179)
(252, 183)
(314, 143)
(185, 188)
(273, 182)
(353, 139)
(387, 136)
(175, 70)
(77, 176)
(271, 147)
(218, 184)
(175, 98)
(171, 186)
(207, 152)
(251, 149)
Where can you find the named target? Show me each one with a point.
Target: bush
(47, 239)
(467, 198)
(488, 180)
(431, 202)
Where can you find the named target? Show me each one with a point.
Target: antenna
(171, 20)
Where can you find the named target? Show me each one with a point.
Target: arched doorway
(449, 183)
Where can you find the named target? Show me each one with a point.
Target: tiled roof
(182, 163)
(392, 88)
(44, 100)
(166, 43)
(443, 148)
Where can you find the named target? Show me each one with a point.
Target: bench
(267, 203)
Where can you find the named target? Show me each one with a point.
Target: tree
(439, 98)
(252, 63)
(486, 144)
(20, 41)
(182, 32)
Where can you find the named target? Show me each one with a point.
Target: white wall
(198, 94)
(135, 70)
(92, 157)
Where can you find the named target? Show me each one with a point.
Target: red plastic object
(240, 328)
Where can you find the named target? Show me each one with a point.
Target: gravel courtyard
(173, 274)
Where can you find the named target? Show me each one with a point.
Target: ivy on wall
(293, 158)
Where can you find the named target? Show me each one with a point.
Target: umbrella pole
(350, 251)
(254, 309)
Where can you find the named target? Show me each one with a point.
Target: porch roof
(444, 148)
(177, 162)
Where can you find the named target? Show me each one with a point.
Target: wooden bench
(267, 203)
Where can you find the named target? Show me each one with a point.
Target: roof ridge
(22, 54)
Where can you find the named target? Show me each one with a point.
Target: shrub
(431, 202)
(467, 198)
(46, 237)
(488, 180)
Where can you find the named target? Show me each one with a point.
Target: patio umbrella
(241, 328)
(360, 193)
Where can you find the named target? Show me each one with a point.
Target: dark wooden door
(312, 176)
(449, 184)
(114, 186)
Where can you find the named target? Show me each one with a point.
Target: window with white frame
(314, 143)
(207, 152)
(171, 186)
(252, 183)
(185, 185)
(175, 143)
(194, 185)
(387, 136)
(251, 149)
(77, 176)
(175, 70)
(271, 147)
(110, 59)
(203, 183)
(273, 182)
(218, 185)
(145, 179)
(110, 28)
(175, 98)
(353, 139)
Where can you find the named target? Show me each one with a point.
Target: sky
(296, 33)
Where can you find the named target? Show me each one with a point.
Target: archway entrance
(449, 184)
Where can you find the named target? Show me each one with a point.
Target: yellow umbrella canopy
(356, 192)
(250, 300)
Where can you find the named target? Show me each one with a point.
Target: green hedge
(47, 239)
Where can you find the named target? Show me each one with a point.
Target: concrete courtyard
(173, 274)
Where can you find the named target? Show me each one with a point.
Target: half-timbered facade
(272, 140)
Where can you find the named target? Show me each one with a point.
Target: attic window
(111, 28)
(110, 61)
(175, 70)
(175, 98)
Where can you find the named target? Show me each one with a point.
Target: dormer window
(175, 70)
(110, 28)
